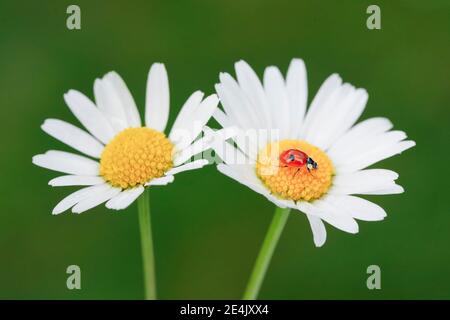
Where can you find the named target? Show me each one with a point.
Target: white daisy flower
(128, 156)
(318, 159)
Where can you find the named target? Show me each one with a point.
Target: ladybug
(296, 159)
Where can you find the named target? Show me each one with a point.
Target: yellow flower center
(136, 156)
(294, 183)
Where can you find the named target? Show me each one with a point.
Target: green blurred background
(208, 228)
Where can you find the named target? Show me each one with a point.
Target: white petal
(222, 118)
(374, 155)
(359, 208)
(275, 89)
(345, 113)
(252, 87)
(72, 199)
(73, 136)
(235, 172)
(200, 117)
(245, 174)
(67, 162)
(160, 181)
(326, 114)
(89, 116)
(362, 182)
(358, 134)
(237, 104)
(207, 141)
(230, 154)
(366, 145)
(297, 88)
(157, 98)
(186, 114)
(76, 181)
(197, 164)
(393, 189)
(282, 203)
(109, 104)
(250, 142)
(204, 112)
(95, 199)
(125, 98)
(334, 216)
(197, 147)
(327, 91)
(318, 230)
(125, 198)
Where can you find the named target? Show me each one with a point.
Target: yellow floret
(136, 156)
(293, 183)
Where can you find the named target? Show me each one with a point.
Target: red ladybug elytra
(296, 159)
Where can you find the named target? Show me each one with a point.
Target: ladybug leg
(296, 171)
(310, 172)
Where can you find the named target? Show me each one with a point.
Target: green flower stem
(265, 254)
(148, 259)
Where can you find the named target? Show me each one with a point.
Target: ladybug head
(311, 164)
